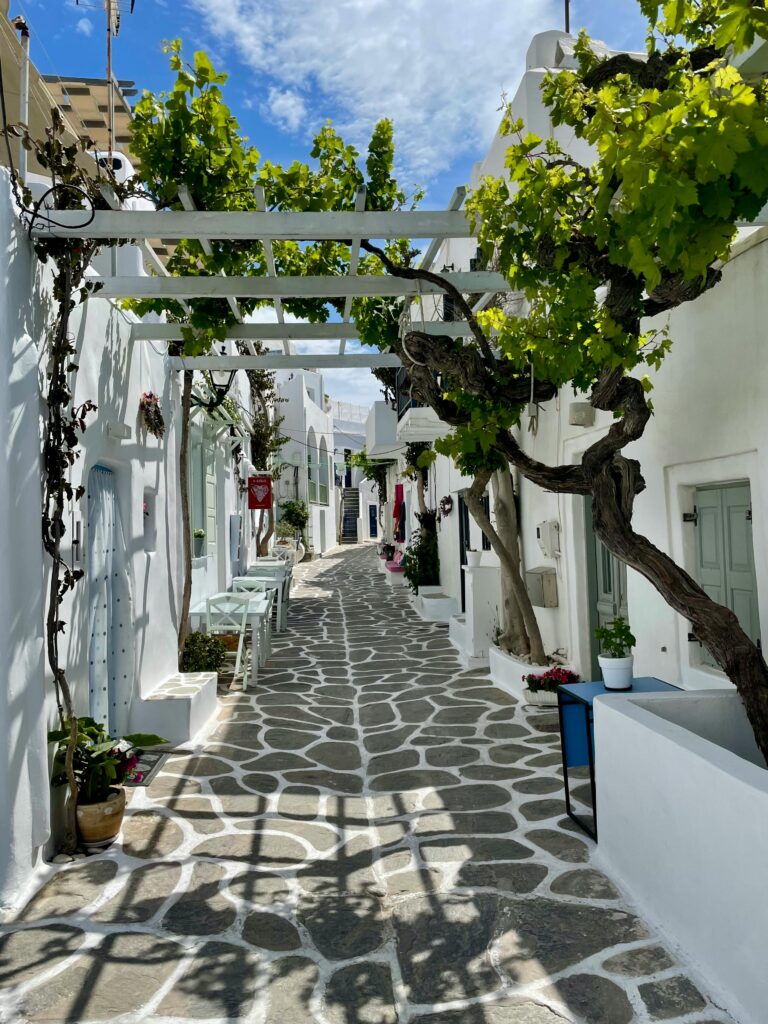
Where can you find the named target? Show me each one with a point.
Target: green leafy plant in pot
(616, 662)
(203, 652)
(101, 765)
(198, 539)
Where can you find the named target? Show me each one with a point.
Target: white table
(259, 615)
(275, 570)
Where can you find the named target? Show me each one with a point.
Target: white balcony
(421, 423)
(381, 440)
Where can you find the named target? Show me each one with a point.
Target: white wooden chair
(228, 613)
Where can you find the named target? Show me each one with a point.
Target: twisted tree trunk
(520, 630)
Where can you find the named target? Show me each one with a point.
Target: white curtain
(111, 672)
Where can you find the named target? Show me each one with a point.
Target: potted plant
(473, 557)
(101, 765)
(616, 663)
(198, 537)
(541, 688)
(203, 652)
(152, 415)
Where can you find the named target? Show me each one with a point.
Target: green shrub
(203, 653)
(421, 561)
(296, 514)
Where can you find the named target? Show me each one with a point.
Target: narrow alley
(374, 836)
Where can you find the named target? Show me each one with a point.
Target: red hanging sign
(260, 491)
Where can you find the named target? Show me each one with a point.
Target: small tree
(682, 156)
(296, 514)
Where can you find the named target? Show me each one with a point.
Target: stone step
(436, 607)
(178, 708)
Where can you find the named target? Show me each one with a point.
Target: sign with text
(260, 491)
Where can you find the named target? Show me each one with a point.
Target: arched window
(312, 464)
(324, 472)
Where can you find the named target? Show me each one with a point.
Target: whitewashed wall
(113, 373)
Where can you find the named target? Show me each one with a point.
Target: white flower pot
(473, 558)
(507, 671)
(617, 672)
(544, 698)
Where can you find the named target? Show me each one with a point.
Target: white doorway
(111, 666)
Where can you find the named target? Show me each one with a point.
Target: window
(725, 565)
(150, 520)
(312, 465)
(322, 489)
(197, 482)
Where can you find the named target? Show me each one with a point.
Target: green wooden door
(607, 582)
(210, 497)
(725, 564)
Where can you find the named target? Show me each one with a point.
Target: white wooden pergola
(433, 227)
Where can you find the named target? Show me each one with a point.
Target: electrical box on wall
(541, 584)
(581, 414)
(548, 536)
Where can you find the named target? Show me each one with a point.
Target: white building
(307, 459)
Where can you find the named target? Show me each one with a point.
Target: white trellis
(431, 228)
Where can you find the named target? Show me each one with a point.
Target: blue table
(577, 732)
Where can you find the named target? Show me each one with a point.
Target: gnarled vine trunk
(520, 634)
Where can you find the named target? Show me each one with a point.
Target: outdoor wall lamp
(220, 382)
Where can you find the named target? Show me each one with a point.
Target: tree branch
(414, 274)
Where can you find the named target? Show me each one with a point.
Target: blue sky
(437, 67)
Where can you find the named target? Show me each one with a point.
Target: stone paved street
(374, 836)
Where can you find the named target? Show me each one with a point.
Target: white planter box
(682, 817)
(507, 672)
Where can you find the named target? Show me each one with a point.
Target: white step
(179, 707)
(457, 631)
(436, 607)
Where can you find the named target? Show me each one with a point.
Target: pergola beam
(354, 260)
(456, 202)
(292, 332)
(269, 257)
(189, 204)
(322, 287)
(280, 361)
(252, 226)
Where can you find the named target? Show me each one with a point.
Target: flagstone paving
(374, 836)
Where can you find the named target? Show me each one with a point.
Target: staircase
(350, 511)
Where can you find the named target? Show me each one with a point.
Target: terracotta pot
(99, 824)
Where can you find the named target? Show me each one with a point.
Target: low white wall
(683, 824)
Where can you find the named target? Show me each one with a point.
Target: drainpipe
(23, 29)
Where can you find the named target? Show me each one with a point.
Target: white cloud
(85, 27)
(285, 108)
(437, 67)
